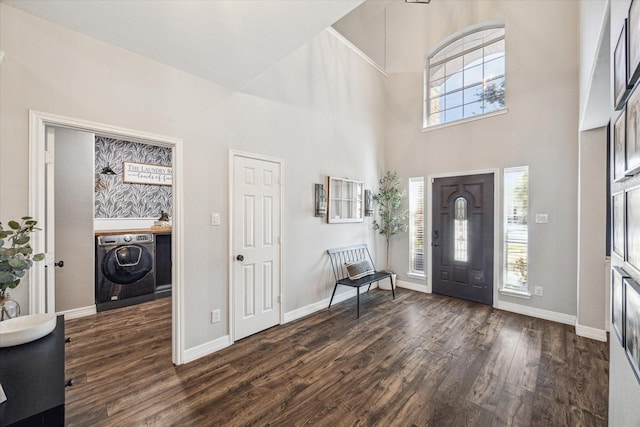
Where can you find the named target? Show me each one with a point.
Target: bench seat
(340, 256)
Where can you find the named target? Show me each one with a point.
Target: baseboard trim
(321, 305)
(206, 349)
(413, 286)
(78, 312)
(540, 313)
(592, 333)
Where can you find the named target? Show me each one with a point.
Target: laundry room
(113, 224)
(132, 225)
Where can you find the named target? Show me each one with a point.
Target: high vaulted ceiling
(230, 42)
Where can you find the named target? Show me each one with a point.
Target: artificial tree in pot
(16, 258)
(392, 217)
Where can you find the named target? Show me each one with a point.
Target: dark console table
(32, 376)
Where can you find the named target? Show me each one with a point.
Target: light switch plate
(215, 218)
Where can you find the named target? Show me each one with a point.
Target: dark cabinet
(163, 264)
(32, 376)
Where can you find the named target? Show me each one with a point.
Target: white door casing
(50, 271)
(38, 121)
(256, 194)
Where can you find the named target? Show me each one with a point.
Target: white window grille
(466, 77)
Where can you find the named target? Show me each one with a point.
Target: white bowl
(24, 329)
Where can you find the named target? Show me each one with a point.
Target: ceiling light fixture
(107, 170)
(418, 1)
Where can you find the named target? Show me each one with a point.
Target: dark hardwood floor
(421, 359)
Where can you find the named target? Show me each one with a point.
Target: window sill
(466, 120)
(416, 275)
(516, 294)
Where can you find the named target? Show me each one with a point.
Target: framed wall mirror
(346, 200)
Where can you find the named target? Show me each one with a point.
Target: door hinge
(48, 258)
(48, 157)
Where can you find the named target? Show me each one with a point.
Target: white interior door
(70, 181)
(256, 245)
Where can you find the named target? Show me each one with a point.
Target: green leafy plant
(493, 93)
(17, 256)
(393, 219)
(521, 268)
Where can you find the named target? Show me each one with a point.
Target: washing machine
(124, 270)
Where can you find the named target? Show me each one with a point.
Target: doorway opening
(40, 297)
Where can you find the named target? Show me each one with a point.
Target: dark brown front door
(462, 237)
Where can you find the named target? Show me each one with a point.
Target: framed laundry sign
(144, 173)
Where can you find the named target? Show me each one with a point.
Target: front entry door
(256, 244)
(462, 237)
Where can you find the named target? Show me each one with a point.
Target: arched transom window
(465, 77)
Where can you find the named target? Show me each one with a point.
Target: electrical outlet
(215, 316)
(537, 290)
(542, 218)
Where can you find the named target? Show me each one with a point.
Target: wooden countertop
(152, 230)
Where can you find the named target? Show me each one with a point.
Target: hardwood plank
(490, 381)
(515, 409)
(523, 371)
(548, 412)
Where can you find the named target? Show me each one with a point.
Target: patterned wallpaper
(115, 199)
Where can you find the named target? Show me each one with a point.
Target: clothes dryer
(124, 270)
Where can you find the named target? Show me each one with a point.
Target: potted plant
(16, 258)
(393, 219)
(164, 220)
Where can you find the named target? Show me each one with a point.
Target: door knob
(240, 258)
(59, 264)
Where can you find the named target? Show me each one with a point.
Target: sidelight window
(516, 229)
(460, 230)
(465, 77)
(416, 226)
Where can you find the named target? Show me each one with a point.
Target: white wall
(320, 110)
(539, 129)
(365, 27)
(592, 223)
(594, 63)
(592, 16)
(624, 391)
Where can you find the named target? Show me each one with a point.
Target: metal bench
(340, 256)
